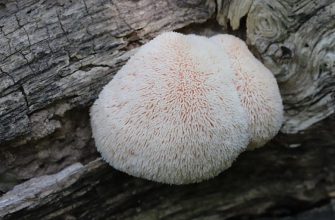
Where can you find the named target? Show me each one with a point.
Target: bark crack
(7, 74)
(62, 28)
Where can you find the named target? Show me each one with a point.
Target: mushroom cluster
(184, 107)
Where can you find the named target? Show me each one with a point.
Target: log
(271, 182)
(56, 56)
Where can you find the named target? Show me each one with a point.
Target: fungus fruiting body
(171, 114)
(257, 88)
(183, 108)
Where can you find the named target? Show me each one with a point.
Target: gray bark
(55, 56)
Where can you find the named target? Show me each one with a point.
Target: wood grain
(55, 56)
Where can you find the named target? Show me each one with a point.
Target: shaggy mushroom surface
(257, 88)
(171, 114)
(184, 107)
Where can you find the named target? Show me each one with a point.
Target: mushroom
(172, 114)
(257, 88)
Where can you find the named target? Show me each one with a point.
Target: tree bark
(56, 56)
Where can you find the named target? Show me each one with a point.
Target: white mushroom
(257, 88)
(172, 113)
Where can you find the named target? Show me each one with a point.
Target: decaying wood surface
(274, 181)
(296, 40)
(55, 56)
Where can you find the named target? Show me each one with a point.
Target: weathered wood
(272, 181)
(55, 56)
(66, 51)
(296, 40)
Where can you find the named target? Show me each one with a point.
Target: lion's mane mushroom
(257, 88)
(172, 113)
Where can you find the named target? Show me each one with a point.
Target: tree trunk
(56, 55)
